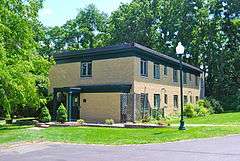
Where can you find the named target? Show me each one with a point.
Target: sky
(57, 12)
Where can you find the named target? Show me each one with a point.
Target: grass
(119, 136)
(216, 119)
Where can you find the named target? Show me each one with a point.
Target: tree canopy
(23, 72)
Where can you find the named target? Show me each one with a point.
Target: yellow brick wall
(164, 79)
(100, 106)
(153, 88)
(108, 71)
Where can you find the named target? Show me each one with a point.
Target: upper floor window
(156, 71)
(175, 101)
(156, 100)
(196, 80)
(144, 68)
(165, 70)
(175, 75)
(184, 77)
(190, 77)
(86, 69)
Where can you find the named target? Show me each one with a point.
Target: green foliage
(189, 110)
(44, 115)
(80, 121)
(61, 114)
(202, 111)
(146, 119)
(215, 106)
(23, 72)
(156, 113)
(109, 121)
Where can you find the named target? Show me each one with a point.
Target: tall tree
(23, 72)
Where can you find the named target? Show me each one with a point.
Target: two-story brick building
(91, 82)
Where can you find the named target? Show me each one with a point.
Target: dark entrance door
(75, 110)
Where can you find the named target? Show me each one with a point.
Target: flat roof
(121, 50)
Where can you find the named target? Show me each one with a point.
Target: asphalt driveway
(214, 149)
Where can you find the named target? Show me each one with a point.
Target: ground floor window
(166, 99)
(197, 98)
(185, 99)
(144, 101)
(156, 101)
(175, 101)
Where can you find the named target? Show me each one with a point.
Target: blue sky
(57, 12)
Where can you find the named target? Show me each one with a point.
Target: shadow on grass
(12, 127)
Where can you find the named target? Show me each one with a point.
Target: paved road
(215, 149)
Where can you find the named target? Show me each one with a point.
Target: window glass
(184, 78)
(175, 101)
(165, 70)
(196, 80)
(185, 99)
(144, 68)
(175, 75)
(165, 98)
(156, 100)
(190, 77)
(86, 69)
(156, 71)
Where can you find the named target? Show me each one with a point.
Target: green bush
(61, 114)
(80, 121)
(109, 121)
(203, 111)
(156, 114)
(215, 105)
(146, 119)
(189, 110)
(44, 115)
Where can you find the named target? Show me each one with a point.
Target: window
(197, 98)
(144, 68)
(175, 75)
(144, 101)
(156, 100)
(185, 99)
(156, 71)
(191, 100)
(196, 80)
(190, 77)
(175, 101)
(184, 78)
(165, 70)
(165, 99)
(86, 69)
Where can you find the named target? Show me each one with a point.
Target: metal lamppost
(180, 52)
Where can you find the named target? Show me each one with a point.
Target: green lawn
(93, 135)
(117, 136)
(217, 119)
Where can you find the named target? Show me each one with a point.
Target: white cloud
(46, 12)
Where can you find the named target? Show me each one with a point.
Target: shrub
(189, 110)
(156, 114)
(44, 115)
(216, 106)
(109, 121)
(146, 119)
(80, 121)
(203, 111)
(61, 114)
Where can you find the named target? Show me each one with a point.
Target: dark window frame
(156, 71)
(86, 69)
(157, 100)
(144, 68)
(185, 99)
(165, 70)
(175, 101)
(175, 75)
(184, 78)
(166, 99)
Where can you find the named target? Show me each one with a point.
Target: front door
(75, 111)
